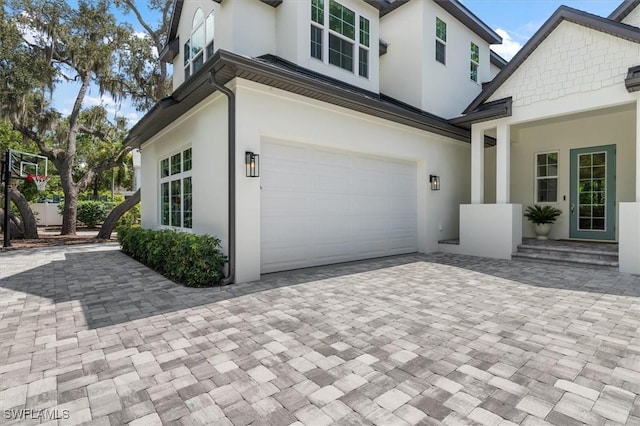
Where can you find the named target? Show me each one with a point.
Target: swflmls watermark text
(29, 414)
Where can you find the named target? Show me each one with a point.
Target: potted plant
(542, 217)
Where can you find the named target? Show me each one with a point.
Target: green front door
(593, 193)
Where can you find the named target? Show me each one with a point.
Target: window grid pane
(165, 202)
(164, 168)
(209, 29)
(316, 42)
(441, 29)
(592, 198)
(547, 177)
(176, 203)
(188, 203)
(364, 31)
(441, 52)
(187, 53)
(474, 72)
(342, 20)
(317, 11)
(363, 63)
(340, 52)
(475, 53)
(176, 164)
(186, 159)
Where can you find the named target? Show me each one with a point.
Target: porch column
(503, 163)
(477, 165)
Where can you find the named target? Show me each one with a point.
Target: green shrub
(91, 212)
(193, 260)
(130, 218)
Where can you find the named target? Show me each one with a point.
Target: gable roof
(279, 73)
(563, 13)
(622, 11)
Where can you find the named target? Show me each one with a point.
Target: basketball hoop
(40, 181)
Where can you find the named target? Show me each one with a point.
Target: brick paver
(89, 335)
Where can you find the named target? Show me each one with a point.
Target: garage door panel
(281, 204)
(329, 205)
(343, 206)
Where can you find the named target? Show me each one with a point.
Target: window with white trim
(340, 37)
(199, 47)
(475, 61)
(547, 177)
(176, 190)
(441, 41)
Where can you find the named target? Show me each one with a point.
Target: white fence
(46, 214)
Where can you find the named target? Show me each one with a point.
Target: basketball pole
(7, 184)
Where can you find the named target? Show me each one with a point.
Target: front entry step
(568, 254)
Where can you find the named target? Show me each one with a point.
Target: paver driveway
(429, 339)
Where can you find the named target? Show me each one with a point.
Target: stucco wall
(409, 70)
(266, 113)
(401, 66)
(563, 135)
(205, 130)
(633, 18)
(572, 60)
(448, 89)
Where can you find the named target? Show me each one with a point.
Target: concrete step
(569, 252)
(567, 261)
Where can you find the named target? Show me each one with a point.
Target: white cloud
(509, 46)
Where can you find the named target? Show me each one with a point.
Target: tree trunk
(116, 214)
(70, 212)
(29, 226)
(16, 232)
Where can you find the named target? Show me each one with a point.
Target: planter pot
(542, 230)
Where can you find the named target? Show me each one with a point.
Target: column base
(490, 230)
(629, 238)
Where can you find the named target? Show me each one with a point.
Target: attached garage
(321, 206)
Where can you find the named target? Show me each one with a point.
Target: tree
(45, 42)
(152, 80)
(150, 76)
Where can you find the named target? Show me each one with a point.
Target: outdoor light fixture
(252, 164)
(435, 182)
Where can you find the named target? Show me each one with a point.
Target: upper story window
(475, 60)
(441, 41)
(339, 36)
(199, 47)
(176, 201)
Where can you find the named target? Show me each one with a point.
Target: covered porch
(583, 161)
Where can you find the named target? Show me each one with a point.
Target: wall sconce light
(252, 164)
(435, 182)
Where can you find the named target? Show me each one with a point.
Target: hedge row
(192, 260)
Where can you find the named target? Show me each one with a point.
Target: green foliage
(130, 218)
(541, 215)
(91, 212)
(193, 260)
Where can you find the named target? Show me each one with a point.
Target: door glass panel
(592, 191)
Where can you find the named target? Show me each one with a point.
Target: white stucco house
(304, 133)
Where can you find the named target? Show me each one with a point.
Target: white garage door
(321, 207)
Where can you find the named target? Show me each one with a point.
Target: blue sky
(515, 20)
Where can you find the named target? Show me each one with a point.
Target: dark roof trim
(489, 111)
(497, 60)
(274, 72)
(170, 50)
(475, 24)
(561, 14)
(632, 82)
(625, 8)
